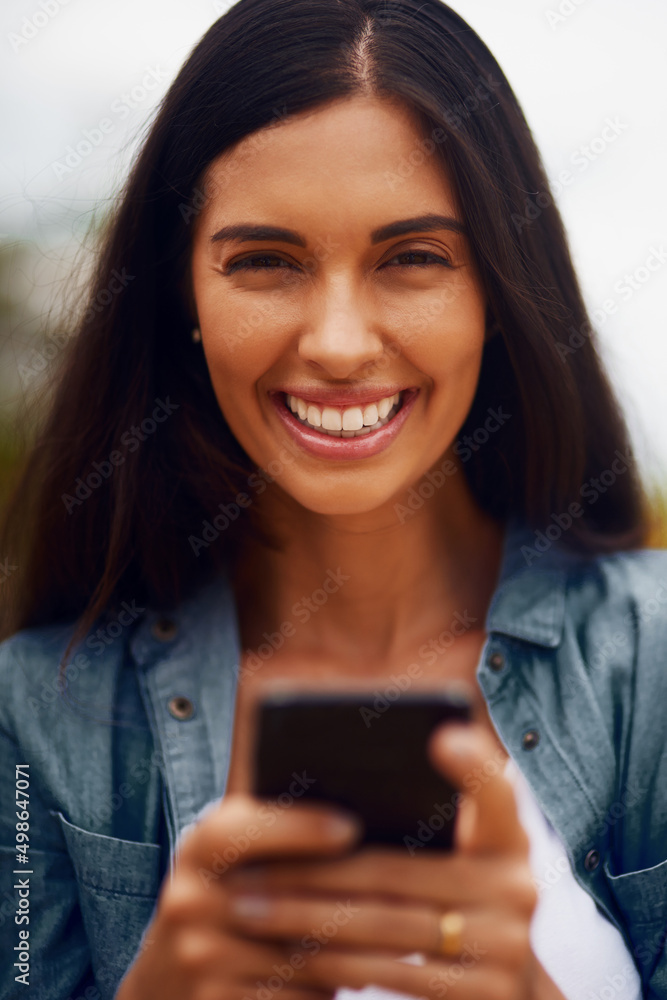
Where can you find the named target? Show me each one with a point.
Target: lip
(349, 449)
(343, 397)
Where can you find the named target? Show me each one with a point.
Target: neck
(366, 588)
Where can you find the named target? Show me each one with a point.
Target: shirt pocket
(118, 883)
(642, 899)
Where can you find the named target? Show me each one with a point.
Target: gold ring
(450, 927)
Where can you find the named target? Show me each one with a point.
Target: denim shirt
(573, 669)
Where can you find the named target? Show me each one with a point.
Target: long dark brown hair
(126, 533)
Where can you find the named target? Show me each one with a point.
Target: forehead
(351, 152)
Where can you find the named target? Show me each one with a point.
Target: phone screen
(341, 748)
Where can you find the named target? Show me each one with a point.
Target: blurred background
(80, 80)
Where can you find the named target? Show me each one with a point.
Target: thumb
(468, 756)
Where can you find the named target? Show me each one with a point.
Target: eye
(269, 262)
(266, 262)
(432, 259)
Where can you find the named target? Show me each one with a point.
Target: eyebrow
(423, 223)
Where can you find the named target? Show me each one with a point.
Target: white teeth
(314, 416)
(384, 406)
(332, 419)
(370, 415)
(354, 421)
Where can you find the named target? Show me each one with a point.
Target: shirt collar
(529, 600)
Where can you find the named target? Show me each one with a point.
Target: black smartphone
(340, 747)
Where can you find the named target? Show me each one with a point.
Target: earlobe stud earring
(196, 335)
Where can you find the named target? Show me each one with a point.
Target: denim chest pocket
(118, 882)
(642, 899)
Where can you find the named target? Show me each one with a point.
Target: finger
(448, 880)
(468, 756)
(293, 993)
(241, 829)
(498, 935)
(469, 979)
(197, 954)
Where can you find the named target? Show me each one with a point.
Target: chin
(341, 500)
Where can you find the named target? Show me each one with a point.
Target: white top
(578, 946)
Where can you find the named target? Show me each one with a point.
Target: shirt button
(496, 661)
(530, 739)
(180, 707)
(164, 629)
(591, 861)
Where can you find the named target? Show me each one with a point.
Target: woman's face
(346, 307)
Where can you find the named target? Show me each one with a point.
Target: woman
(329, 341)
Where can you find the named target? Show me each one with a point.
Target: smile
(351, 422)
(344, 433)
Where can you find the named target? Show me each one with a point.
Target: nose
(342, 338)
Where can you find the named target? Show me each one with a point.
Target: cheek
(446, 320)
(237, 355)
(445, 337)
(235, 351)
(244, 335)
(232, 362)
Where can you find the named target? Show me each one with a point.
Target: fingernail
(459, 741)
(343, 826)
(250, 906)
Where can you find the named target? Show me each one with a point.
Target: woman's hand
(352, 917)
(192, 949)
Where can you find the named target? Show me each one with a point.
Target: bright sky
(576, 66)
